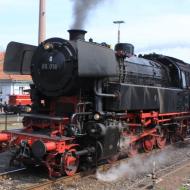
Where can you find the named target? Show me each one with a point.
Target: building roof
(4, 76)
(2, 55)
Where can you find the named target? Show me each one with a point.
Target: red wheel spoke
(148, 144)
(71, 162)
(132, 151)
(160, 142)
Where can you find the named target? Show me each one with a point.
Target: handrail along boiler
(91, 103)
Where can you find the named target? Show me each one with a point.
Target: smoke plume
(81, 10)
(136, 166)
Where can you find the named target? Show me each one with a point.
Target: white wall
(10, 88)
(5, 88)
(15, 87)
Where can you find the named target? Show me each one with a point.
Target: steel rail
(160, 178)
(177, 163)
(66, 179)
(12, 171)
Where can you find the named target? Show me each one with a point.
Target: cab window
(184, 84)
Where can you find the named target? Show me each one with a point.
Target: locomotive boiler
(92, 104)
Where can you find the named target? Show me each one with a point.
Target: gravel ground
(5, 156)
(136, 173)
(186, 183)
(130, 175)
(4, 161)
(10, 118)
(174, 179)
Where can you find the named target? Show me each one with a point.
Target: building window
(21, 90)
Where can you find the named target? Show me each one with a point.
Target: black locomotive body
(157, 83)
(89, 100)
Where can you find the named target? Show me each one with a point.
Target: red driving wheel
(160, 142)
(132, 150)
(148, 144)
(71, 162)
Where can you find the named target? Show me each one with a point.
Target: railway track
(10, 122)
(161, 178)
(13, 171)
(143, 183)
(10, 119)
(156, 176)
(148, 182)
(48, 184)
(67, 179)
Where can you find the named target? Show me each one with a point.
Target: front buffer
(57, 154)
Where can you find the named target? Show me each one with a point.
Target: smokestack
(76, 34)
(42, 22)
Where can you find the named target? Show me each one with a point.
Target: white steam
(135, 166)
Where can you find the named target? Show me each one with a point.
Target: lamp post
(42, 21)
(118, 22)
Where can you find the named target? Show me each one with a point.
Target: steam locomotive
(92, 104)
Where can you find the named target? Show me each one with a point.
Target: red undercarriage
(148, 135)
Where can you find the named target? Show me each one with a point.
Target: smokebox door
(18, 58)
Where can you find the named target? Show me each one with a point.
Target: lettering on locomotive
(50, 67)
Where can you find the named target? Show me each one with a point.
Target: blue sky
(161, 26)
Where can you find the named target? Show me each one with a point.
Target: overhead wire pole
(119, 22)
(42, 21)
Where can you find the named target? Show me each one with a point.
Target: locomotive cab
(124, 50)
(178, 70)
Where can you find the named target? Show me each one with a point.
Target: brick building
(2, 54)
(12, 84)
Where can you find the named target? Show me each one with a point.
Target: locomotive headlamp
(48, 46)
(97, 116)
